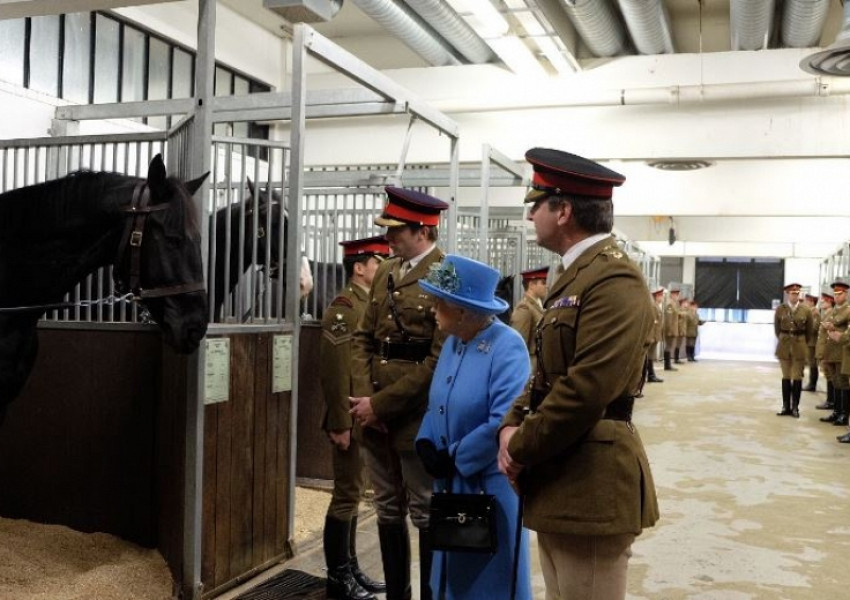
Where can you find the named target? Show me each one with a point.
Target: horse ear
(157, 177)
(194, 185)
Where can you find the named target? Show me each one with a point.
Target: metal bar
(454, 180)
(315, 112)
(83, 139)
(484, 224)
(125, 110)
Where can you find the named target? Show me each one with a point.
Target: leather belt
(792, 332)
(413, 351)
(620, 409)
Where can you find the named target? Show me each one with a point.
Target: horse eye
(261, 233)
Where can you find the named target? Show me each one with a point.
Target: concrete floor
(753, 506)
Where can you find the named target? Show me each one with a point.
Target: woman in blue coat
(482, 369)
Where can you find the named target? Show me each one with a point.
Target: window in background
(76, 58)
(106, 54)
(44, 55)
(159, 76)
(12, 39)
(133, 66)
(183, 76)
(738, 283)
(241, 87)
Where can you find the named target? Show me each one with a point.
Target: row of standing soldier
(582, 392)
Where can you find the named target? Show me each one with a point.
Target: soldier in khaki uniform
(529, 310)
(656, 337)
(345, 579)
(568, 444)
(671, 328)
(812, 302)
(692, 325)
(833, 354)
(827, 302)
(792, 323)
(684, 307)
(395, 350)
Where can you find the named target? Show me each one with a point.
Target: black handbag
(463, 522)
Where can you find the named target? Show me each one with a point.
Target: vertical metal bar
(213, 256)
(454, 181)
(296, 191)
(484, 224)
(281, 237)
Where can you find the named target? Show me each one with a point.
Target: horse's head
(271, 217)
(505, 291)
(169, 265)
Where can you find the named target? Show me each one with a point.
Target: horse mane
(52, 206)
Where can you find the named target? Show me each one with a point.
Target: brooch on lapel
(567, 302)
(483, 346)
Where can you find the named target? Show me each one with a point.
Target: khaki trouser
(348, 481)
(792, 368)
(585, 567)
(399, 480)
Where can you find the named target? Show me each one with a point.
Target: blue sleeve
(509, 371)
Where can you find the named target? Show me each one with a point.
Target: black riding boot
(689, 352)
(842, 396)
(395, 554)
(651, 377)
(341, 583)
(830, 398)
(796, 389)
(812, 386)
(676, 357)
(786, 399)
(366, 582)
(667, 365)
(425, 556)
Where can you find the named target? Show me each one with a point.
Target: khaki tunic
(820, 345)
(524, 319)
(792, 327)
(586, 475)
(338, 325)
(671, 319)
(398, 388)
(840, 317)
(658, 330)
(692, 323)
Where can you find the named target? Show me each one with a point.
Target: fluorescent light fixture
(482, 16)
(516, 55)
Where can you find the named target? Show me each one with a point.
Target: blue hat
(465, 282)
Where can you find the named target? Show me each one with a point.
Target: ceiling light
(482, 16)
(516, 55)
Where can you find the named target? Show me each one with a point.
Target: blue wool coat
(474, 385)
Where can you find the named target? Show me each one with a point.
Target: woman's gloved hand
(439, 464)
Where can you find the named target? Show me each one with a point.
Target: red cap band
(571, 185)
(404, 214)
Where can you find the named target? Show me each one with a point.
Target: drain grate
(289, 585)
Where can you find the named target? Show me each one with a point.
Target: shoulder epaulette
(342, 301)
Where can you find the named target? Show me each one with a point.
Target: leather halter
(131, 242)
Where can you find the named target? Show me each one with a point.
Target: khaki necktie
(405, 268)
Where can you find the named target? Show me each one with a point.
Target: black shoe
(825, 406)
(785, 412)
(829, 418)
(366, 582)
(844, 439)
(654, 379)
(342, 586)
(841, 420)
(809, 388)
(795, 413)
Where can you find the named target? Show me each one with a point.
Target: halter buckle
(136, 238)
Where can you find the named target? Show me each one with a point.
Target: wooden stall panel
(313, 461)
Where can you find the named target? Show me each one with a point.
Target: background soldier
(835, 326)
(345, 579)
(671, 328)
(792, 323)
(827, 302)
(395, 350)
(812, 302)
(589, 369)
(656, 336)
(529, 310)
(684, 309)
(692, 325)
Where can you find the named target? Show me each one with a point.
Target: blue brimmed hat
(465, 282)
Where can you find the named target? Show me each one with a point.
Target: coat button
(383, 362)
(420, 307)
(553, 320)
(396, 294)
(443, 440)
(442, 410)
(449, 379)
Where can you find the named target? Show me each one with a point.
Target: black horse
(505, 291)
(54, 234)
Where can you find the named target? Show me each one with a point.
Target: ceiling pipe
(406, 27)
(666, 95)
(802, 22)
(454, 29)
(598, 25)
(751, 22)
(835, 60)
(648, 23)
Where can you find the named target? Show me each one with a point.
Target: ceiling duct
(454, 29)
(835, 60)
(304, 11)
(407, 26)
(751, 22)
(598, 25)
(649, 25)
(802, 22)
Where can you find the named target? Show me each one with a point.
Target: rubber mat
(288, 585)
